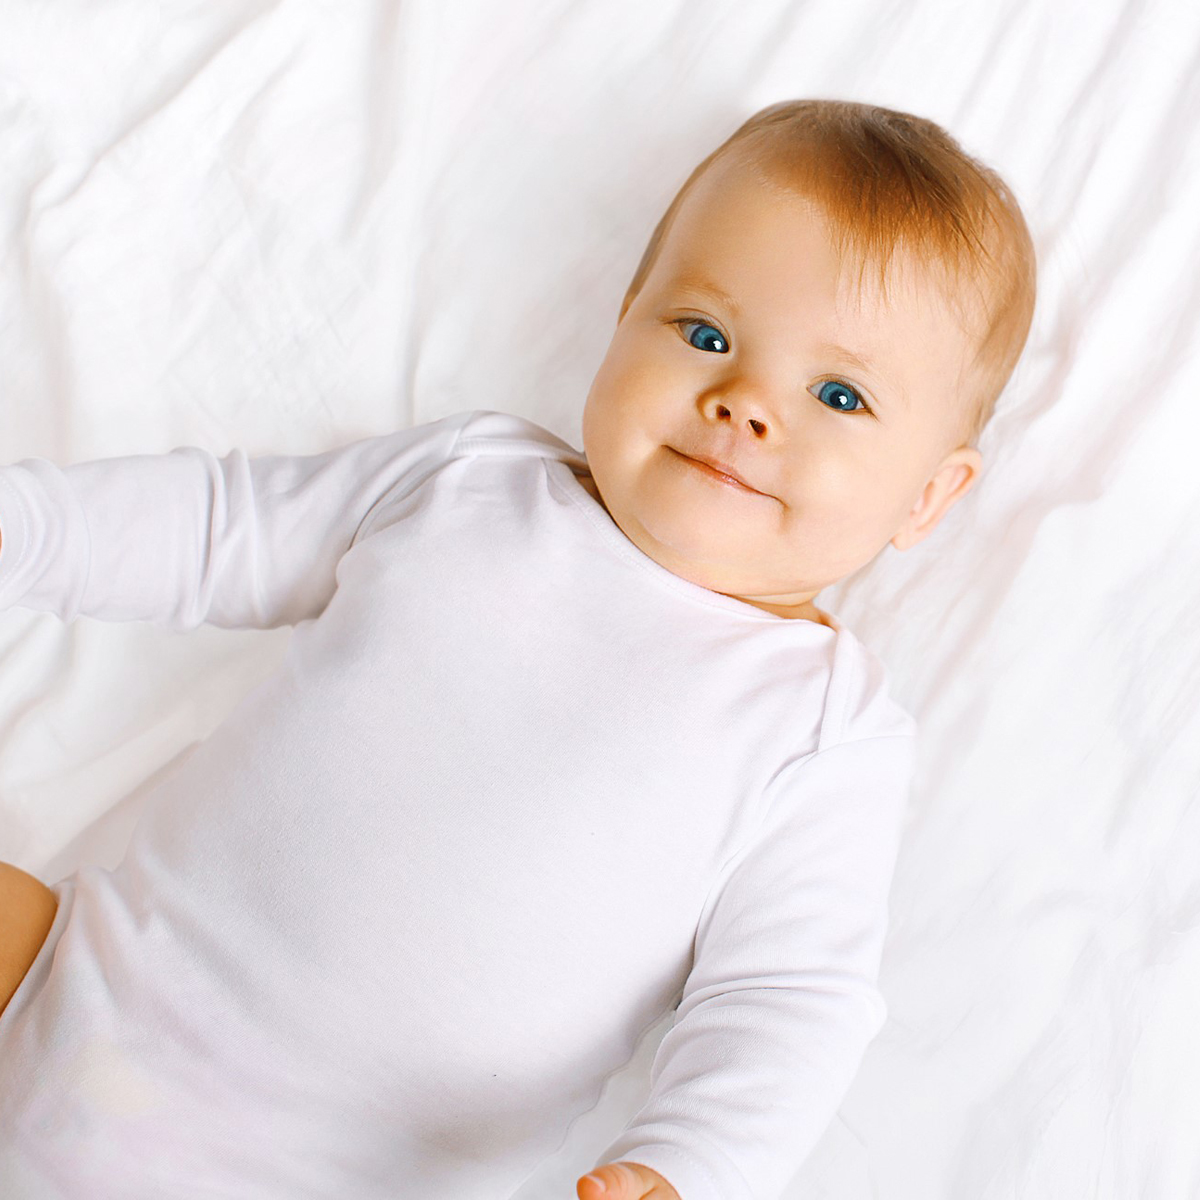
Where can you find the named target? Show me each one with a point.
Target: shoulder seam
(797, 765)
(555, 447)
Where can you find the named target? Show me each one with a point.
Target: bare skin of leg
(27, 908)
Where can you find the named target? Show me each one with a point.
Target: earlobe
(956, 476)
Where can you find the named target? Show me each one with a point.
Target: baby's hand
(625, 1181)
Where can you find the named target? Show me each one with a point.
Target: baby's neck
(799, 612)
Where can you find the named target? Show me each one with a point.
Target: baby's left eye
(841, 397)
(705, 337)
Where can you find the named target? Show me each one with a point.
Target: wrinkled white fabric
(282, 225)
(515, 792)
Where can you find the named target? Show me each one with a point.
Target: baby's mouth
(712, 472)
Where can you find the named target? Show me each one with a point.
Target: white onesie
(515, 792)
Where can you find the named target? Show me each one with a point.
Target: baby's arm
(781, 1002)
(183, 538)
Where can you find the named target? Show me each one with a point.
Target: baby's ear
(959, 472)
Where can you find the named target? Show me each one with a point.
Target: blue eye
(705, 337)
(841, 397)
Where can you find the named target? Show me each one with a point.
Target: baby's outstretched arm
(782, 1000)
(184, 538)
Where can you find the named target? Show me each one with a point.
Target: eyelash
(680, 322)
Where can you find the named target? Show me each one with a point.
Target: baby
(561, 743)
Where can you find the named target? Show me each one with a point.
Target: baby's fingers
(624, 1181)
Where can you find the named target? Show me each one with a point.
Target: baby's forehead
(876, 273)
(883, 255)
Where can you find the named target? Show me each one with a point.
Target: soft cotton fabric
(515, 791)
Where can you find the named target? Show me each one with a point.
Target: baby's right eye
(706, 336)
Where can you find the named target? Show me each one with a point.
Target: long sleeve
(781, 1002)
(183, 538)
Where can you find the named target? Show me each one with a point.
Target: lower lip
(718, 476)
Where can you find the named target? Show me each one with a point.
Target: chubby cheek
(634, 376)
(834, 499)
(850, 510)
(633, 404)
(827, 480)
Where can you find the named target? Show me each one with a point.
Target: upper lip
(723, 467)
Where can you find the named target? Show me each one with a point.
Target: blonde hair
(886, 179)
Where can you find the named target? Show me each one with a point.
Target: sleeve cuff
(683, 1171)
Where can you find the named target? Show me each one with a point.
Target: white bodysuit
(515, 792)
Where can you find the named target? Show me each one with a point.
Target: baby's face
(746, 345)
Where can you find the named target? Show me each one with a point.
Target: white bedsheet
(285, 225)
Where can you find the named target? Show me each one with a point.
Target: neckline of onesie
(614, 537)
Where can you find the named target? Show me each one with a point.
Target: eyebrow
(855, 360)
(711, 290)
(865, 365)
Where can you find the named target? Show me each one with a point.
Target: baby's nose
(742, 407)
